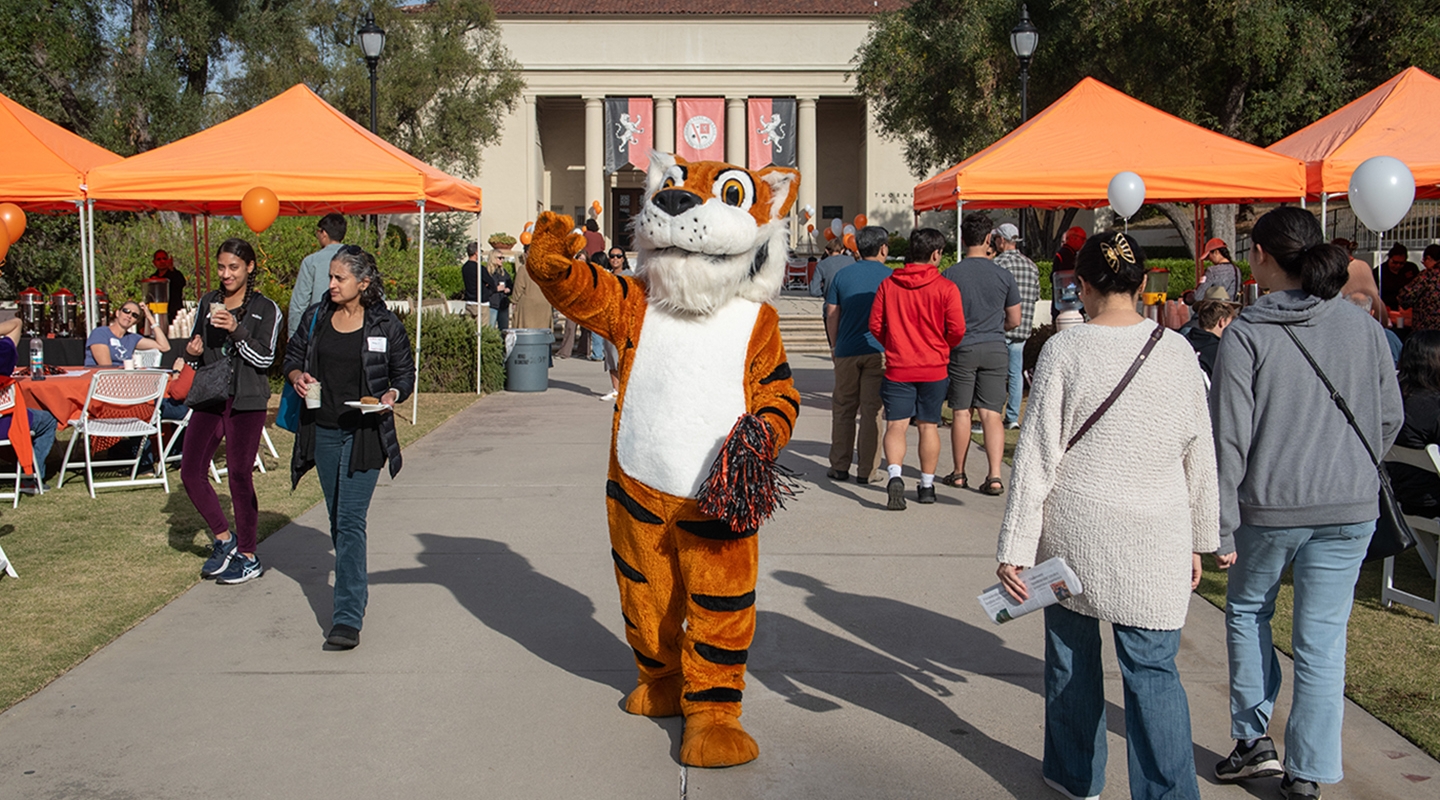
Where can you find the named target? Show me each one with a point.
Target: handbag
(288, 417)
(214, 383)
(1120, 387)
(1392, 533)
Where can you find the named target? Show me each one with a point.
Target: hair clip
(1116, 249)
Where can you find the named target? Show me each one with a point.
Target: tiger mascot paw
(657, 698)
(716, 739)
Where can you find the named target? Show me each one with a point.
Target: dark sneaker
(241, 569)
(1257, 761)
(343, 636)
(896, 489)
(838, 474)
(221, 553)
(1299, 789)
(925, 495)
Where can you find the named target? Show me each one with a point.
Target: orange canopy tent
(314, 158)
(1393, 119)
(1065, 156)
(44, 165)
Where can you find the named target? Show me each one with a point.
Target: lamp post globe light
(1024, 38)
(372, 41)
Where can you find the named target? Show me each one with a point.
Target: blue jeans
(347, 499)
(42, 437)
(1015, 381)
(1326, 565)
(597, 347)
(1157, 714)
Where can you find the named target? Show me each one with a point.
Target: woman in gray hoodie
(1297, 487)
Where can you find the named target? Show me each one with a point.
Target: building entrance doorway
(624, 204)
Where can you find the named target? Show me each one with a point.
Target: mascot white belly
(685, 391)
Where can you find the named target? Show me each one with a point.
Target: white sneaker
(1061, 789)
(1012, 426)
(609, 396)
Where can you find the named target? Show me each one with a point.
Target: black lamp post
(1024, 38)
(372, 41)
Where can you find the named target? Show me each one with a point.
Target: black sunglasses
(617, 255)
(132, 312)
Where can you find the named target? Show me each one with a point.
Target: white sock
(893, 469)
(927, 479)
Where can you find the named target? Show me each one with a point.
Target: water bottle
(37, 359)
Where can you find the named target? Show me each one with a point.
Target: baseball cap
(1008, 232)
(1211, 246)
(1075, 237)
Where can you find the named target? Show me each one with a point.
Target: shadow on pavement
(502, 590)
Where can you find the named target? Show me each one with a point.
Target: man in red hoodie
(918, 319)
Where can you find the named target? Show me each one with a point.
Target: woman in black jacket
(357, 351)
(238, 324)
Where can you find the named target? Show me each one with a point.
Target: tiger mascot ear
(784, 184)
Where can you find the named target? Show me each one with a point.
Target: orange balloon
(529, 226)
(829, 234)
(810, 228)
(596, 208)
(525, 238)
(850, 242)
(861, 220)
(13, 220)
(259, 207)
(4, 245)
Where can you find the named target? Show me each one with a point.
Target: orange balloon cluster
(595, 208)
(259, 207)
(526, 236)
(850, 242)
(829, 234)
(12, 225)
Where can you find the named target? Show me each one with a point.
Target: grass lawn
(92, 569)
(1391, 667)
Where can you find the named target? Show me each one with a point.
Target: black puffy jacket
(392, 369)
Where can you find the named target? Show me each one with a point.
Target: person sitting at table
(1418, 490)
(110, 345)
(42, 423)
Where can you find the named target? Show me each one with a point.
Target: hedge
(1182, 274)
(447, 355)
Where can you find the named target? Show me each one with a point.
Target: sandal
(992, 486)
(956, 479)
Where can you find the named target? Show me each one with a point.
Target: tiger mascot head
(708, 232)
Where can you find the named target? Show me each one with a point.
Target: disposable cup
(128, 363)
(312, 395)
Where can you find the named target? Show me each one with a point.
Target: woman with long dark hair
(1297, 490)
(1128, 507)
(357, 352)
(238, 324)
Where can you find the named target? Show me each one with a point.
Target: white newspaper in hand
(1049, 582)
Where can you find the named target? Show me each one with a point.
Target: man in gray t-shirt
(980, 365)
(835, 260)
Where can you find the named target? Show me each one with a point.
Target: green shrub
(447, 354)
(1182, 274)
(492, 370)
(447, 280)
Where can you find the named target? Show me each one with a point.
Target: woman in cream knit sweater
(1129, 507)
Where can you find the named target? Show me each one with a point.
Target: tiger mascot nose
(675, 201)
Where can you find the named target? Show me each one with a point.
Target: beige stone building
(577, 53)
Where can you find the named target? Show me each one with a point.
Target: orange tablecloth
(64, 397)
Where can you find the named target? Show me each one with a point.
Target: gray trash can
(527, 366)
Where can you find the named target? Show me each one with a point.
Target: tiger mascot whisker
(705, 392)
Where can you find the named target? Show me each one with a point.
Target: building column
(805, 153)
(595, 157)
(534, 160)
(735, 137)
(665, 124)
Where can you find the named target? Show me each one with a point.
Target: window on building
(832, 212)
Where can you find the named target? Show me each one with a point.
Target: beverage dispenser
(157, 298)
(1153, 295)
(63, 314)
(32, 313)
(102, 310)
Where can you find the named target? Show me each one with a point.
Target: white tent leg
(419, 319)
(959, 242)
(479, 324)
(85, 294)
(94, 286)
(1324, 213)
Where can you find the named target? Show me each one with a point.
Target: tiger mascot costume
(704, 385)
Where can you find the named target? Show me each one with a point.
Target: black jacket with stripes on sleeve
(251, 346)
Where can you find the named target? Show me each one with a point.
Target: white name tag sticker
(377, 343)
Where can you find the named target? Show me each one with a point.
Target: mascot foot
(657, 698)
(713, 739)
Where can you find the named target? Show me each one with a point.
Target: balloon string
(264, 256)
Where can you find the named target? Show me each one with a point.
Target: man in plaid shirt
(1027, 278)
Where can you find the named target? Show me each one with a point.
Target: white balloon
(836, 226)
(1126, 193)
(1381, 191)
(849, 228)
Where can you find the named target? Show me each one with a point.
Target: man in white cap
(1027, 280)
(1220, 271)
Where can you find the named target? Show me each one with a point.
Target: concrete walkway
(493, 664)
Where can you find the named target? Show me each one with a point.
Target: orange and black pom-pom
(746, 485)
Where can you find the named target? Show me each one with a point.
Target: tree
(942, 79)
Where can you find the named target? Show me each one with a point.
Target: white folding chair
(147, 359)
(1427, 535)
(795, 274)
(121, 387)
(7, 406)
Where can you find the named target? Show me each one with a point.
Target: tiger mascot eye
(706, 403)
